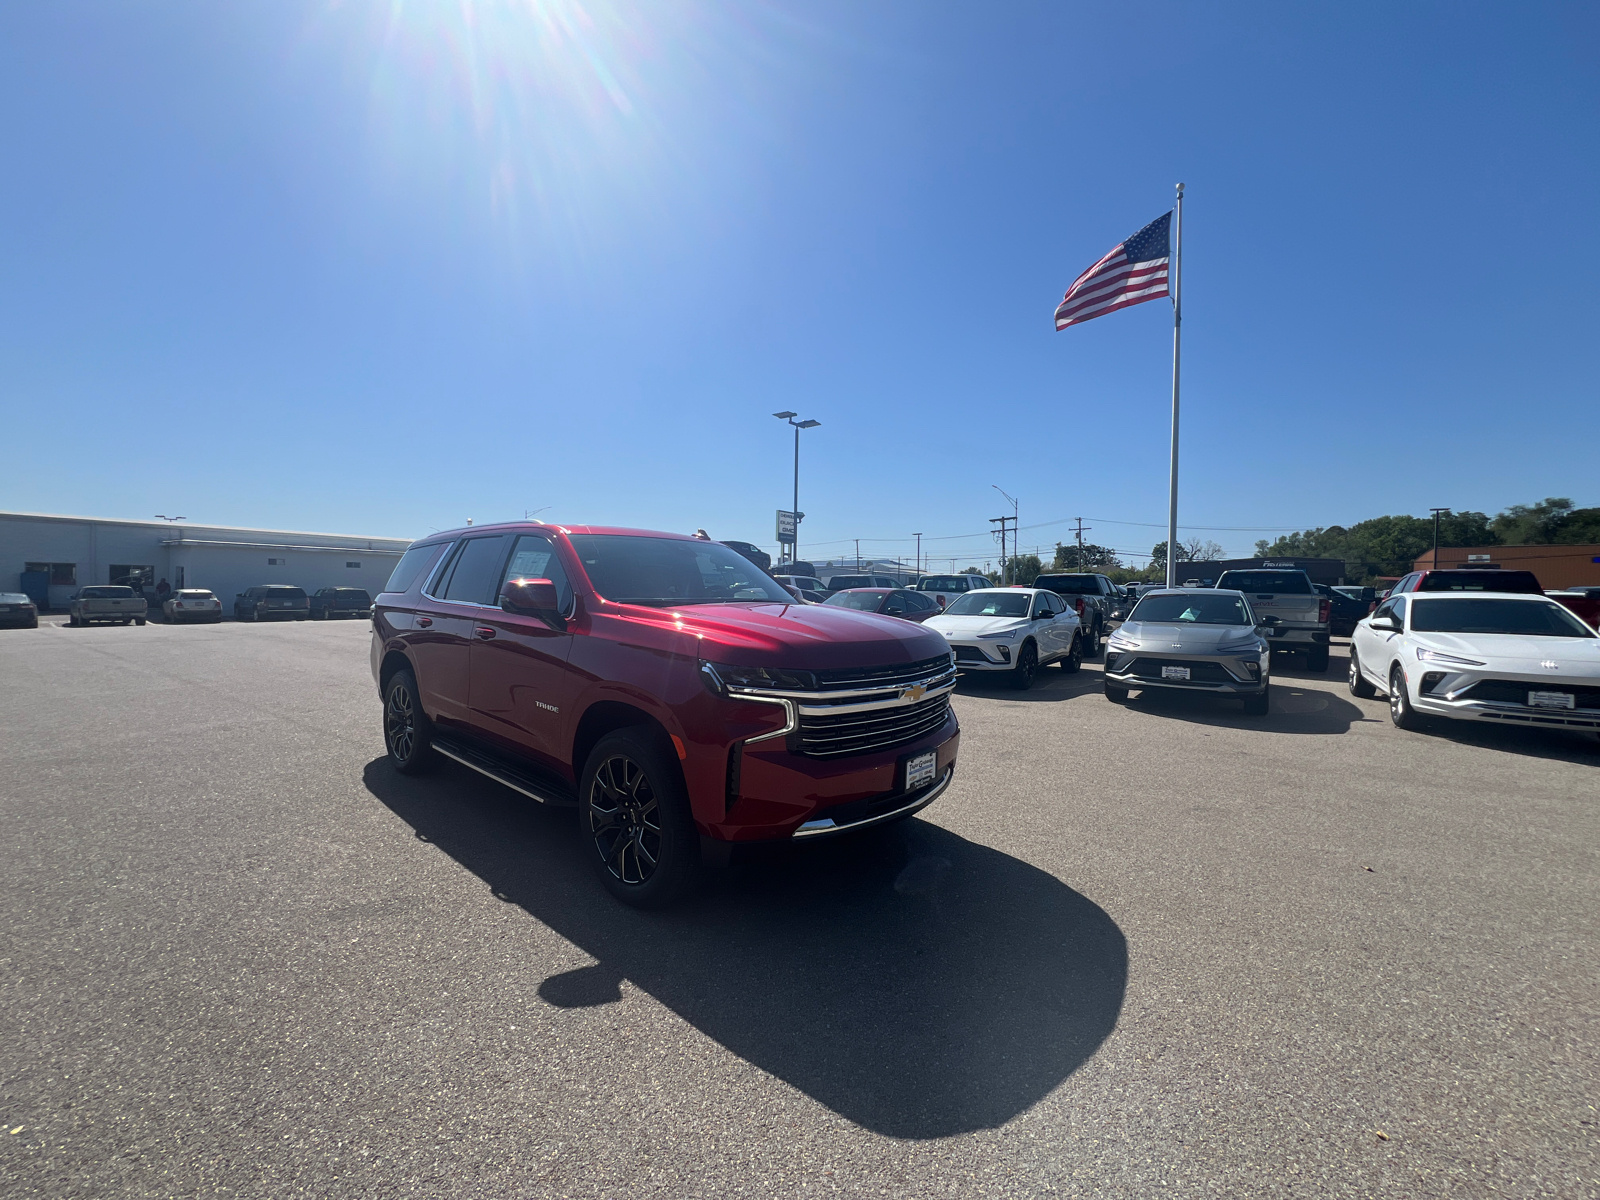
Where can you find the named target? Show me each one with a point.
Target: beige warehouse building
(51, 557)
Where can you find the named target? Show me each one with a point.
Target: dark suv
(271, 600)
(665, 686)
(1094, 596)
(331, 602)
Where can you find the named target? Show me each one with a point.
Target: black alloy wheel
(1360, 687)
(1074, 658)
(1258, 705)
(1027, 667)
(1400, 710)
(407, 732)
(633, 812)
(1317, 660)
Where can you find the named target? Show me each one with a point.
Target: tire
(1074, 658)
(634, 820)
(1360, 686)
(73, 620)
(1400, 710)
(33, 624)
(139, 620)
(1259, 706)
(407, 732)
(1317, 660)
(321, 616)
(1116, 695)
(1027, 667)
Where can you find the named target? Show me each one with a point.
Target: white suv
(945, 588)
(1012, 630)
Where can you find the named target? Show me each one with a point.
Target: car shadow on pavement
(1050, 685)
(914, 982)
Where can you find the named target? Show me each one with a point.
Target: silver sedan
(1194, 640)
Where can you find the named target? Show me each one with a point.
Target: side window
(1386, 609)
(441, 575)
(1399, 609)
(535, 558)
(476, 569)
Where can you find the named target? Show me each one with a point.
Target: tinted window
(665, 571)
(943, 583)
(865, 601)
(922, 603)
(535, 558)
(409, 567)
(839, 582)
(1530, 618)
(476, 571)
(1168, 608)
(989, 604)
(1293, 583)
(1480, 581)
(1070, 585)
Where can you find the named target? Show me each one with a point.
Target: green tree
(1095, 558)
(1553, 521)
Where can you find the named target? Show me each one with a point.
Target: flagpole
(1177, 332)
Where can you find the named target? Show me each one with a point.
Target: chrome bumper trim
(828, 826)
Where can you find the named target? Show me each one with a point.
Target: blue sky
(378, 268)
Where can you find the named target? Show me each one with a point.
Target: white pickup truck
(1295, 616)
(109, 603)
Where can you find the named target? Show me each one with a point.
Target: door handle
(483, 631)
(425, 621)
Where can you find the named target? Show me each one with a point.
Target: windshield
(865, 601)
(990, 604)
(1219, 609)
(669, 571)
(1295, 583)
(1070, 585)
(1529, 618)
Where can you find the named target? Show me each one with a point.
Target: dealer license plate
(921, 769)
(1174, 672)
(1551, 700)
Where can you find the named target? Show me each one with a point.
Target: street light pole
(1436, 514)
(794, 546)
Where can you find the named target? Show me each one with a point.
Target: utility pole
(1001, 521)
(858, 556)
(1016, 530)
(1437, 512)
(1079, 520)
(918, 536)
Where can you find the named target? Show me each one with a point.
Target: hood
(801, 636)
(1193, 638)
(1515, 647)
(973, 626)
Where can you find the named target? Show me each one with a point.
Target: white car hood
(1506, 647)
(967, 627)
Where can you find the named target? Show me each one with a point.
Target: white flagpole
(1177, 331)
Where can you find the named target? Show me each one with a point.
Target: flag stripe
(1134, 276)
(1149, 284)
(1121, 300)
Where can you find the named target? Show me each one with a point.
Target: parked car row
(122, 605)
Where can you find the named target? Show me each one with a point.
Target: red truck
(665, 686)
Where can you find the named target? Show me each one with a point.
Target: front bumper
(1452, 697)
(984, 654)
(1225, 675)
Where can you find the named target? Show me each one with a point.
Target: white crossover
(1512, 658)
(1014, 630)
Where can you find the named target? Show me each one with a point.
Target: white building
(58, 555)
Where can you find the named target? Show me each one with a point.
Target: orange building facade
(1556, 566)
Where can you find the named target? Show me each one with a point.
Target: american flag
(1131, 273)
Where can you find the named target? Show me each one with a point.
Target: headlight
(1009, 633)
(1449, 660)
(1117, 643)
(719, 677)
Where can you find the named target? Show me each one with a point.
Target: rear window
(349, 593)
(106, 593)
(943, 583)
(849, 581)
(409, 567)
(190, 594)
(1481, 581)
(1070, 585)
(865, 601)
(1292, 583)
(285, 592)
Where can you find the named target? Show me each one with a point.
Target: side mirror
(1388, 624)
(533, 598)
(1042, 614)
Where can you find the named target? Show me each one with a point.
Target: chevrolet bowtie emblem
(914, 694)
(1550, 666)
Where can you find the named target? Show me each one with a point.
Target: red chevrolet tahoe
(666, 686)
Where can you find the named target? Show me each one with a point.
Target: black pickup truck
(1100, 598)
(332, 602)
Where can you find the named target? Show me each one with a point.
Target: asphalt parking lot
(1156, 950)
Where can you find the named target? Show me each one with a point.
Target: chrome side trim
(827, 825)
(791, 715)
(498, 778)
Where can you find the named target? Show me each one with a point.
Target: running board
(505, 772)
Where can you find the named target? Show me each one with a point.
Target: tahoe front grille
(860, 732)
